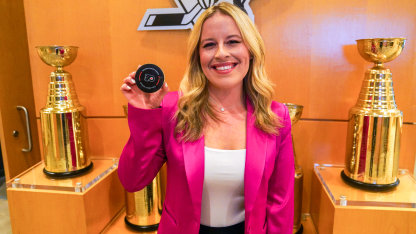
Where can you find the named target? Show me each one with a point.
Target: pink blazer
(268, 176)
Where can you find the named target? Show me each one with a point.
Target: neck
(227, 97)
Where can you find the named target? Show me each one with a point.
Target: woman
(227, 145)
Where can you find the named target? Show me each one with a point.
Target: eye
(233, 42)
(210, 44)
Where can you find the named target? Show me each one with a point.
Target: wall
(311, 57)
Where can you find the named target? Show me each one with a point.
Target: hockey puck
(149, 78)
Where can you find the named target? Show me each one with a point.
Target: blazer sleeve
(143, 155)
(280, 197)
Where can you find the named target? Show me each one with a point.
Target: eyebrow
(208, 39)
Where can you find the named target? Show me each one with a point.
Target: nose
(222, 53)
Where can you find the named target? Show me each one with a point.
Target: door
(16, 91)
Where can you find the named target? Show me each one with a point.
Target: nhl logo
(185, 15)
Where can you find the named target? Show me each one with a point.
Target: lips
(224, 66)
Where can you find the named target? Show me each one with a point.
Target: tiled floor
(5, 227)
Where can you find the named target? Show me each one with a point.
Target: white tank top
(223, 191)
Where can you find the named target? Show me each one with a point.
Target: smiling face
(224, 57)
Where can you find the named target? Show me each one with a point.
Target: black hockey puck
(149, 78)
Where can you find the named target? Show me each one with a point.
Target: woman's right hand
(140, 99)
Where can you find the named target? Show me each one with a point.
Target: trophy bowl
(295, 112)
(380, 50)
(57, 56)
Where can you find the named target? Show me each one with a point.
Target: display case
(34, 178)
(337, 207)
(83, 204)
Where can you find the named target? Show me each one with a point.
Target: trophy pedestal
(374, 187)
(339, 208)
(68, 174)
(138, 228)
(84, 205)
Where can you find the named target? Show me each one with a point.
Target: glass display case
(34, 178)
(342, 194)
(88, 202)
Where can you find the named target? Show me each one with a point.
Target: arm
(280, 197)
(143, 155)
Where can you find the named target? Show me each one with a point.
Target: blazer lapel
(256, 144)
(194, 154)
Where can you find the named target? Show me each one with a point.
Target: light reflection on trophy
(295, 112)
(144, 207)
(375, 123)
(64, 130)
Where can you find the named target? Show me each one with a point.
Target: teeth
(223, 68)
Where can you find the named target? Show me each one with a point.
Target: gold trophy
(64, 130)
(375, 123)
(295, 112)
(144, 207)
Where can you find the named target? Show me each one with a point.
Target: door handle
(29, 134)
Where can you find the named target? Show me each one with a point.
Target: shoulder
(279, 109)
(282, 113)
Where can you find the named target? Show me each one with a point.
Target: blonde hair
(193, 105)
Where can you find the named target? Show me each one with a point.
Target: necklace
(221, 108)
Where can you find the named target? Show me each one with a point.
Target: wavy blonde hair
(193, 104)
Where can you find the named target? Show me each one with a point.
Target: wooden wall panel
(398, 20)
(311, 57)
(110, 48)
(320, 142)
(286, 30)
(311, 52)
(131, 47)
(408, 148)
(107, 136)
(15, 90)
(78, 23)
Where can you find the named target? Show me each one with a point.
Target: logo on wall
(185, 15)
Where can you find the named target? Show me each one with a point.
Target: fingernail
(128, 87)
(133, 81)
(166, 84)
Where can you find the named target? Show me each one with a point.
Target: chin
(226, 85)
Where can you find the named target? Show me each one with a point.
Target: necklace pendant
(222, 109)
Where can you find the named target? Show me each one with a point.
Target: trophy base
(299, 231)
(365, 186)
(138, 228)
(69, 174)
